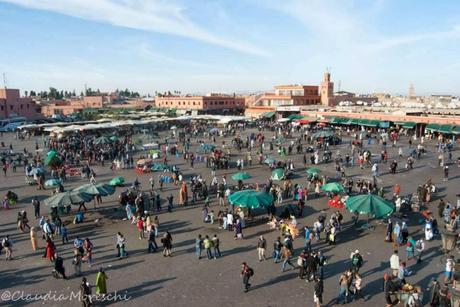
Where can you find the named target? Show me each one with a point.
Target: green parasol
(333, 187)
(241, 176)
(97, 189)
(278, 174)
(103, 140)
(67, 198)
(251, 199)
(117, 181)
(371, 205)
(114, 138)
(269, 160)
(52, 159)
(51, 183)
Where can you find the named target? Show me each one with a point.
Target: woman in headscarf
(404, 233)
(101, 282)
(388, 236)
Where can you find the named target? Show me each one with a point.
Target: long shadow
(276, 280)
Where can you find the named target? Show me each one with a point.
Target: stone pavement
(183, 280)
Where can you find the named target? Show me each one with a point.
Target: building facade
(67, 107)
(210, 104)
(12, 104)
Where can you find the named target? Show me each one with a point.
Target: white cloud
(148, 15)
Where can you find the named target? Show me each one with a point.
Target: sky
(201, 46)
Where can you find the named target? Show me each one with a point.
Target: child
(140, 227)
(63, 230)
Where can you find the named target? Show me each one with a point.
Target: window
(1, 108)
(11, 108)
(27, 106)
(22, 107)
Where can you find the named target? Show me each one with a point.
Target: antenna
(339, 85)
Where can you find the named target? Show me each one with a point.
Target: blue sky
(199, 46)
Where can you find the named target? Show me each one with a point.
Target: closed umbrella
(67, 198)
(251, 199)
(241, 176)
(117, 181)
(51, 183)
(333, 187)
(370, 204)
(278, 174)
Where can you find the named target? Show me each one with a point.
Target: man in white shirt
(394, 263)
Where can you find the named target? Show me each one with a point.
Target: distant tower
(411, 91)
(327, 90)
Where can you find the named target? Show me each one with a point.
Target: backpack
(250, 272)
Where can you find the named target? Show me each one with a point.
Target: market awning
(369, 123)
(456, 130)
(355, 121)
(432, 127)
(445, 128)
(384, 124)
(268, 114)
(409, 125)
(295, 116)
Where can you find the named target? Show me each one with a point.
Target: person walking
(167, 244)
(77, 260)
(318, 292)
(121, 251)
(152, 244)
(7, 244)
(356, 261)
(344, 282)
(101, 283)
(36, 205)
(450, 268)
(216, 246)
(419, 248)
(308, 238)
(33, 238)
(198, 246)
(358, 283)
(277, 245)
(261, 248)
(287, 253)
(246, 274)
(394, 263)
(85, 293)
(88, 246)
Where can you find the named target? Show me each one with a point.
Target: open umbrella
(370, 204)
(52, 159)
(67, 198)
(278, 174)
(241, 176)
(333, 187)
(96, 189)
(159, 167)
(51, 183)
(269, 160)
(251, 199)
(114, 138)
(206, 147)
(117, 181)
(313, 171)
(103, 140)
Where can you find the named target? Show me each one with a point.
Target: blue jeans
(276, 255)
(198, 252)
(308, 245)
(286, 261)
(342, 295)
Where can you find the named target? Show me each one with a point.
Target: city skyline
(245, 46)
